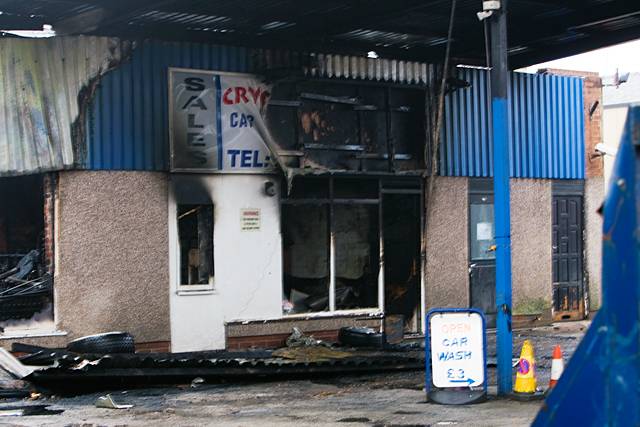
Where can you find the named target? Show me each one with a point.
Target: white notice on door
(483, 231)
(457, 349)
(250, 219)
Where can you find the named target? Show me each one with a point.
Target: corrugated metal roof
(373, 69)
(40, 85)
(322, 65)
(128, 127)
(546, 116)
(408, 29)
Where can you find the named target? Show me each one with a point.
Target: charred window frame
(351, 272)
(195, 239)
(193, 216)
(349, 126)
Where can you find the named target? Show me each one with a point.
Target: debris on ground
(299, 339)
(108, 403)
(71, 373)
(24, 289)
(320, 399)
(197, 382)
(311, 354)
(354, 336)
(28, 410)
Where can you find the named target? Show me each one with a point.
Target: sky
(625, 57)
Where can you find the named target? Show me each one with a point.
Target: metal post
(499, 94)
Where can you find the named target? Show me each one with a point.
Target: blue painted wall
(546, 116)
(128, 125)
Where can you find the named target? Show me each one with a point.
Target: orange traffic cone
(557, 366)
(526, 374)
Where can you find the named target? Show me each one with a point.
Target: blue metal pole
(502, 213)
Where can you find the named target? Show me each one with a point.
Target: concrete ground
(390, 399)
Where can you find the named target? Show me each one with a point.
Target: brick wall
(273, 333)
(592, 93)
(275, 340)
(153, 347)
(49, 190)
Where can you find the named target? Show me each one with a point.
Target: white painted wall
(613, 120)
(248, 265)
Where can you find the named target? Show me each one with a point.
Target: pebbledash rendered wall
(447, 271)
(466, 152)
(531, 244)
(111, 270)
(447, 266)
(112, 247)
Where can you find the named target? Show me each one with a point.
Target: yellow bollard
(526, 373)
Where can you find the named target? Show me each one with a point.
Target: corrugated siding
(39, 85)
(546, 116)
(128, 126)
(322, 65)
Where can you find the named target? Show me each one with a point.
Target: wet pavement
(391, 399)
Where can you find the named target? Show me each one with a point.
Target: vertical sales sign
(216, 122)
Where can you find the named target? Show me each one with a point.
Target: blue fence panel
(546, 114)
(127, 127)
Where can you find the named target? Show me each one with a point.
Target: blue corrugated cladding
(127, 128)
(546, 116)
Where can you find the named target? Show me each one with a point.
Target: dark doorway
(21, 215)
(482, 266)
(568, 286)
(401, 233)
(25, 275)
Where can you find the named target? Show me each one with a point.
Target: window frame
(332, 201)
(481, 199)
(195, 288)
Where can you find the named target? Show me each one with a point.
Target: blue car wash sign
(217, 122)
(456, 351)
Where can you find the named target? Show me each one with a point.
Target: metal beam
(502, 212)
(173, 32)
(355, 18)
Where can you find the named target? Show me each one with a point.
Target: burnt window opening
(314, 280)
(195, 235)
(348, 126)
(331, 245)
(332, 232)
(26, 251)
(401, 228)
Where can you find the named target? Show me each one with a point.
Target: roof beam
(356, 18)
(171, 32)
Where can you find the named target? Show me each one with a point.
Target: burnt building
(204, 196)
